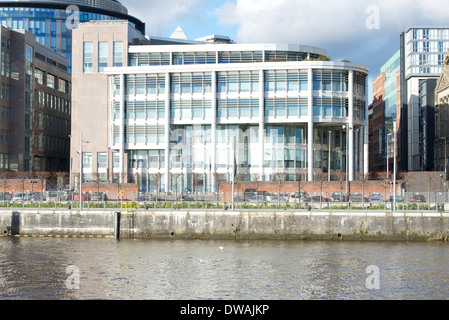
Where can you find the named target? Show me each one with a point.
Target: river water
(66, 268)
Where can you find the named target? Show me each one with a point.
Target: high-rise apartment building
(386, 110)
(422, 51)
(441, 140)
(51, 20)
(176, 110)
(34, 104)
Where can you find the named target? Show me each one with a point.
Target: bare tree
(383, 176)
(218, 179)
(279, 177)
(405, 177)
(176, 179)
(42, 176)
(97, 181)
(61, 176)
(239, 179)
(340, 176)
(5, 175)
(321, 177)
(255, 177)
(299, 176)
(196, 179)
(362, 177)
(23, 177)
(156, 182)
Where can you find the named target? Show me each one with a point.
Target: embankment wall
(198, 224)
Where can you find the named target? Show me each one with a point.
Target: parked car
(85, 196)
(278, 199)
(398, 199)
(65, 195)
(146, 197)
(258, 199)
(239, 199)
(21, 196)
(99, 196)
(300, 196)
(185, 197)
(418, 198)
(355, 197)
(5, 196)
(249, 193)
(51, 196)
(36, 196)
(376, 198)
(338, 197)
(319, 199)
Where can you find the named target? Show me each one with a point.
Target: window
(51, 81)
(63, 85)
(39, 76)
(87, 57)
(87, 160)
(118, 54)
(102, 160)
(29, 53)
(237, 81)
(115, 161)
(102, 55)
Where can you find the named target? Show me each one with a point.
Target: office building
(176, 110)
(442, 119)
(386, 110)
(34, 105)
(50, 20)
(422, 52)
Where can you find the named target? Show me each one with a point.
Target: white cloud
(161, 17)
(337, 26)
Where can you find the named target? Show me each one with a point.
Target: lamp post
(444, 161)
(81, 169)
(445, 157)
(329, 158)
(394, 166)
(346, 127)
(388, 155)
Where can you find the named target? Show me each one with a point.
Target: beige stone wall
(90, 95)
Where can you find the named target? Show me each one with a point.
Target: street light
(445, 157)
(81, 169)
(346, 127)
(388, 156)
(329, 158)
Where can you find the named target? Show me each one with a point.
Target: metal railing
(249, 201)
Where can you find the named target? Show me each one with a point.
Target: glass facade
(194, 151)
(427, 48)
(49, 24)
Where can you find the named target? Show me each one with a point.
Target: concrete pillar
(122, 129)
(213, 145)
(366, 131)
(167, 132)
(310, 127)
(261, 123)
(351, 125)
(360, 146)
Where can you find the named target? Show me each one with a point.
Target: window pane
(118, 54)
(87, 57)
(102, 55)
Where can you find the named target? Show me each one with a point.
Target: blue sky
(362, 31)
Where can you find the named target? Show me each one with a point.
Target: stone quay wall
(227, 224)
